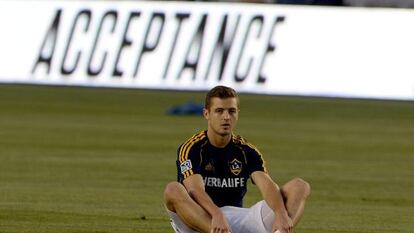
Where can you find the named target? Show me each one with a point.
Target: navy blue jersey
(225, 171)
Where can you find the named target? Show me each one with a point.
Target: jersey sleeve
(255, 159)
(188, 161)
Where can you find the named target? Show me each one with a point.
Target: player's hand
(219, 223)
(283, 223)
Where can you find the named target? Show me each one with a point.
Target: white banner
(267, 49)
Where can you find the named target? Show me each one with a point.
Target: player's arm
(195, 188)
(273, 197)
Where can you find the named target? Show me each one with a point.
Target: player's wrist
(217, 213)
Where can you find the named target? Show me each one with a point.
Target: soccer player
(213, 168)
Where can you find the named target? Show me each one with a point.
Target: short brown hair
(221, 92)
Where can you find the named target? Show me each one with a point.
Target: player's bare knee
(302, 186)
(297, 186)
(170, 195)
(170, 190)
(173, 191)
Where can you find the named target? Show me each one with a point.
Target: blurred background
(91, 146)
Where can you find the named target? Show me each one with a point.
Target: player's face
(222, 116)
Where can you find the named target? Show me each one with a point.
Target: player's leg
(295, 193)
(177, 200)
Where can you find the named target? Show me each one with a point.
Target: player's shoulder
(242, 142)
(191, 145)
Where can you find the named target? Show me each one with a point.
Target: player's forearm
(273, 197)
(202, 198)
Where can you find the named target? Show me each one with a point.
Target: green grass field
(96, 160)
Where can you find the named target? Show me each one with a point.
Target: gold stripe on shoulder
(239, 139)
(253, 147)
(187, 143)
(260, 154)
(243, 141)
(189, 146)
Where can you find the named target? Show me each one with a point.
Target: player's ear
(206, 113)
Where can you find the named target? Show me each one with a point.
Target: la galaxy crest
(235, 166)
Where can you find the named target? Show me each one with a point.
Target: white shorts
(257, 219)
